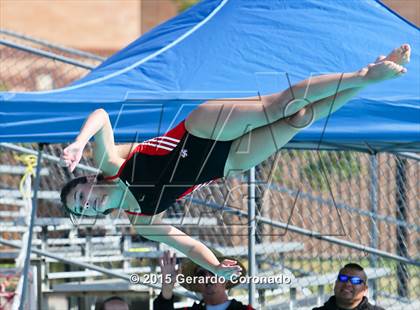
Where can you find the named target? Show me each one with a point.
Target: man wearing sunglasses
(214, 295)
(349, 290)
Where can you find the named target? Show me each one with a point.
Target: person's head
(112, 303)
(212, 288)
(89, 196)
(350, 286)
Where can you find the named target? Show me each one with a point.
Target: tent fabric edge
(396, 14)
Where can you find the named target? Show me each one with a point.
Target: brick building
(106, 26)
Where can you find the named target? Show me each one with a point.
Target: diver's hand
(72, 154)
(228, 268)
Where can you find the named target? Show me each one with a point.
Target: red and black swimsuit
(166, 168)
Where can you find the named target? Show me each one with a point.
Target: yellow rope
(30, 162)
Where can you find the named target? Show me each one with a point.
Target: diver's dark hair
(69, 186)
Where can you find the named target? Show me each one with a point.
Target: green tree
(3, 87)
(184, 4)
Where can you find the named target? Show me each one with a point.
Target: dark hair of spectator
(101, 305)
(354, 266)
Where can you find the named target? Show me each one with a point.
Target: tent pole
(25, 270)
(373, 259)
(401, 231)
(251, 235)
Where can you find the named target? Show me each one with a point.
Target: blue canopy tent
(231, 48)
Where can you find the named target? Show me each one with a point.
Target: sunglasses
(355, 280)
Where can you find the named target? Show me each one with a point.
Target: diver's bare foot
(400, 55)
(382, 71)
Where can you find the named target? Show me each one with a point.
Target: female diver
(214, 141)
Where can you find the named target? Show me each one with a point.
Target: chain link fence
(316, 210)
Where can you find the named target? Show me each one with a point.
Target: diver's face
(89, 199)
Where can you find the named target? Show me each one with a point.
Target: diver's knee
(301, 119)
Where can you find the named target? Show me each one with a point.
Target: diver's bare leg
(229, 120)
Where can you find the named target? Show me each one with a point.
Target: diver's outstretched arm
(194, 249)
(106, 156)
